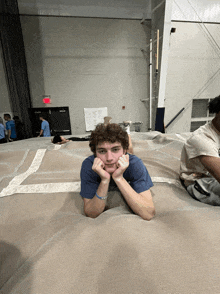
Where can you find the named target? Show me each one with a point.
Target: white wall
(193, 70)
(194, 59)
(4, 95)
(196, 10)
(86, 62)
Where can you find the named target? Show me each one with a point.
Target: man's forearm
(139, 204)
(212, 164)
(9, 134)
(96, 206)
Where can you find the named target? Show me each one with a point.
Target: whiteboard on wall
(94, 116)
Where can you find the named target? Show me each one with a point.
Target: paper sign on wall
(94, 116)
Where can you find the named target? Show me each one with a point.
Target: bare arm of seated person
(212, 164)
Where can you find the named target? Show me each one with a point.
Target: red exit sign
(46, 100)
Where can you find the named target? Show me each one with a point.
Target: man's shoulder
(136, 165)
(204, 141)
(200, 138)
(10, 123)
(88, 161)
(133, 159)
(86, 169)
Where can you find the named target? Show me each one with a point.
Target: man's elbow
(149, 214)
(92, 214)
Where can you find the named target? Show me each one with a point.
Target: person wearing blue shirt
(10, 127)
(111, 165)
(2, 132)
(45, 127)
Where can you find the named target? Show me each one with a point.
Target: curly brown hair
(214, 105)
(108, 133)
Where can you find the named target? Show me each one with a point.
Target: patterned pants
(206, 190)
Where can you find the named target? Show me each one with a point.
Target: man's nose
(109, 156)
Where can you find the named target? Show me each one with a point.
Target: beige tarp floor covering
(48, 245)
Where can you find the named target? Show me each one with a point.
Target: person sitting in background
(19, 126)
(200, 162)
(111, 166)
(45, 127)
(2, 132)
(10, 127)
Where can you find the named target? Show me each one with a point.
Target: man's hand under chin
(98, 167)
(122, 165)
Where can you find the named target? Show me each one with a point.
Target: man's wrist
(101, 197)
(105, 181)
(118, 179)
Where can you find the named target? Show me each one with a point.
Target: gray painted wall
(88, 62)
(83, 8)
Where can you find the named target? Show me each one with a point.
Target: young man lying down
(110, 165)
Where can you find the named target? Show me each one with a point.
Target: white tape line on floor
(16, 181)
(57, 147)
(49, 188)
(66, 187)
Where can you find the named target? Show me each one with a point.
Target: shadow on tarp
(15, 269)
(125, 271)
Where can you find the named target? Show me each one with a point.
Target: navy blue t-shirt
(136, 175)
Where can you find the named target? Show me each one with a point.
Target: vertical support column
(151, 83)
(15, 62)
(159, 125)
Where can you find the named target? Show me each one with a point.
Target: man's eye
(116, 149)
(101, 151)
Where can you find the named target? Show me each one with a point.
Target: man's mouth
(110, 165)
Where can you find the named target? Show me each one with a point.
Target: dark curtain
(15, 62)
